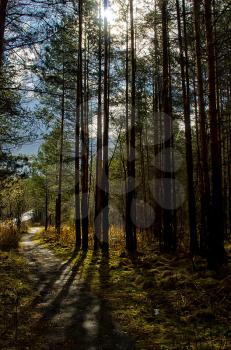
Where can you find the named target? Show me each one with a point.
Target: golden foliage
(9, 235)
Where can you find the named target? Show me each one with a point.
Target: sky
(28, 55)
(29, 148)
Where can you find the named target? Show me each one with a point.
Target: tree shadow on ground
(72, 315)
(47, 281)
(43, 278)
(120, 340)
(92, 325)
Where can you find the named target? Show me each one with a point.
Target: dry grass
(158, 299)
(67, 237)
(9, 235)
(145, 240)
(16, 295)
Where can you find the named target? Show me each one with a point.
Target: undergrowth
(63, 244)
(16, 294)
(9, 235)
(158, 299)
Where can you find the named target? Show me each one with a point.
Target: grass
(158, 299)
(16, 295)
(9, 235)
(61, 246)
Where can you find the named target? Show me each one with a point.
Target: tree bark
(105, 243)
(205, 180)
(131, 208)
(60, 178)
(157, 227)
(169, 243)
(84, 137)
(3, 8)
(188, 135)
(127, 213)
(46, 204)
(98, 189)
(77, 168)
(216, 253)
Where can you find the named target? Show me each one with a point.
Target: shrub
(9, 235)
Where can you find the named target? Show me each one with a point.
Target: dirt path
(69, 315)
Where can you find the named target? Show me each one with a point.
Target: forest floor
(76, 301)
(67, 314)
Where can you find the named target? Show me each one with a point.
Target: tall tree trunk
(172, 164)
(127, 212)
(3, 7)
(85, 145)
(105, 179)
(156, 135)
(229, 172)
(77, 166)
(216, 254)
(188, 135)
(60, 177)
(167, 181)
(98, 189)
(79, 134)
(131, 210)
(46, 203)
(205, 180)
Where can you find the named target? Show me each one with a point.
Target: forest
(115, 174)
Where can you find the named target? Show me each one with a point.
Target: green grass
(159, 300)
(61, 251)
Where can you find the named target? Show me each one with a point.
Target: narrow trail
(68, 314)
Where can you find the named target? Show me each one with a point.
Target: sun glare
(109, 14)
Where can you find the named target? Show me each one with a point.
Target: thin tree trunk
(46, 204)
(167, 188)
(77, 167)
(84, 151)
(3, 7)
(188, 135)
(216, 254)
(131, 210)
(128, 236)
(98, 189)
(156, 135)
(105, 244)
(205, 183)
(172, 164)
(60, 178)
(79, 135)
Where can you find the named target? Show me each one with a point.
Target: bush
(66, 238)
(9, 235)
